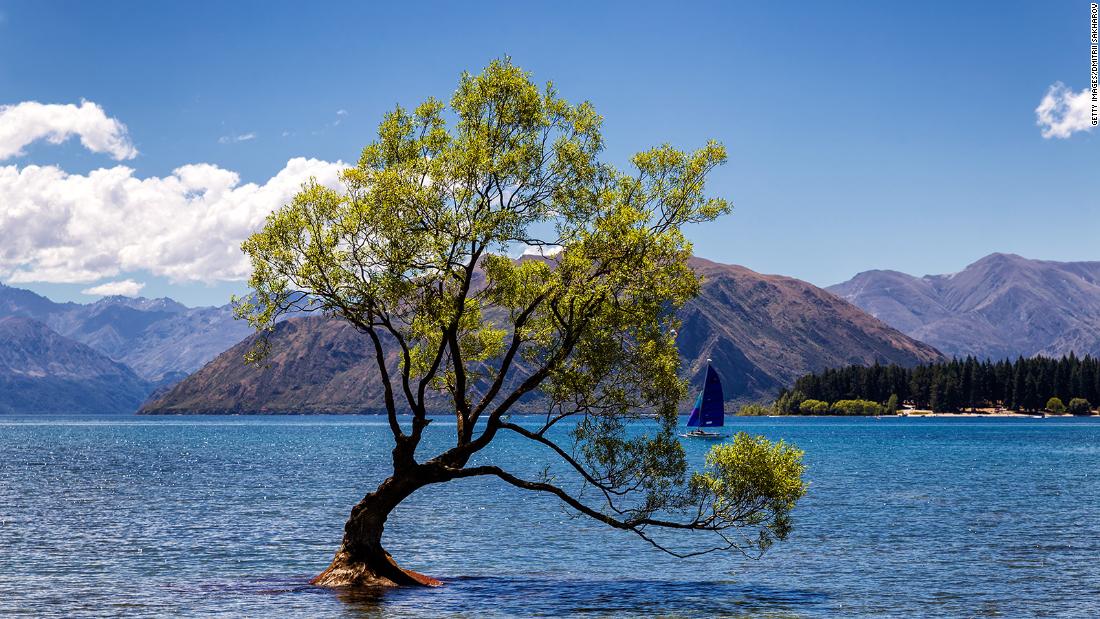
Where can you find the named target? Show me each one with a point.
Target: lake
(230, 516)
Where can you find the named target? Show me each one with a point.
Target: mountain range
(42, 371)
(1002, 306)
(760, 331)
(159, 339)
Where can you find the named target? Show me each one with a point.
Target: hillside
(762, 332)
(317, 365)
(160, 339)
(1002, 306)
(42, 371)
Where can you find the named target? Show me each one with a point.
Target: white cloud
(125, 288)
(27, 122)
(187, 226)
(1063, 112)
(546, 251)
(231, 139)
(74, 228)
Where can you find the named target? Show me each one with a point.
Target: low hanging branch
(414, 252)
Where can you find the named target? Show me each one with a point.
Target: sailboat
(710, 410)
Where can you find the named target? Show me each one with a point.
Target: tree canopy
(949, 386)
(416, 251)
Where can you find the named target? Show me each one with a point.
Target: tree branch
(635, 525)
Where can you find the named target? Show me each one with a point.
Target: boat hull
(702, 434)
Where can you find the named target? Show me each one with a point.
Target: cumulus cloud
(1063, 112)
(125, 288)
(186, 226)
(27, 122)
(545, 251)
(230, 139)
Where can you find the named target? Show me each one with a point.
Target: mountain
(316, 365)
(764, 331)
(42, 371)
(761, 332)
(1002, 306)
(160, 339)
(19, 302)
(159, 344)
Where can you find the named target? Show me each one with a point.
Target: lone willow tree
(414, 252)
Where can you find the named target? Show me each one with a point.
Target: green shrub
(789, 403)
(1080, 406)
(892, 405)
(857, 407)
(813, 407)
(754, 410)
(1055, 406)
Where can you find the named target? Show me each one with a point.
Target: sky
(141, 142)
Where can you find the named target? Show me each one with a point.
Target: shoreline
(1007, 415)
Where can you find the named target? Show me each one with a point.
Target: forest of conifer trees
(956, 385)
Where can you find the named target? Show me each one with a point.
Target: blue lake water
(230, 516)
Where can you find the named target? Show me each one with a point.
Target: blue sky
(861, 134)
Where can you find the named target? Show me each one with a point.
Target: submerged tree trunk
(361, 559)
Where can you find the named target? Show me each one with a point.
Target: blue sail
(709, 411)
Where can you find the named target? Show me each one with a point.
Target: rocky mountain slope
(1002, 306)
(160, 339)
(764, 331)
(42, 371)
(761, 331)
(317, 365)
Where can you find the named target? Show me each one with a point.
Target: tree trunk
(361, 560)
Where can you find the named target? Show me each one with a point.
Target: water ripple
(230, 516)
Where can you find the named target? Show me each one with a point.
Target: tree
(1018, 385)
(813, 407)
(754, 410)
(892, 404)
(1055, 406)
(856, 407)
(414, 252)
(952, 384)
(788, 402)
(1079, 406)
